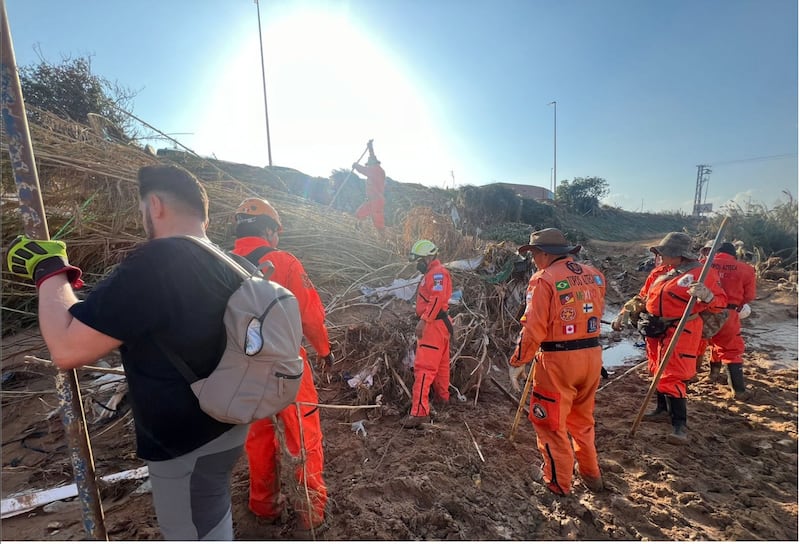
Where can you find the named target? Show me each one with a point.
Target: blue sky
(645, 90)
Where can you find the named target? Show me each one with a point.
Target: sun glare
(330, 88)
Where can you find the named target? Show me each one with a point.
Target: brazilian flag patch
(561, 285)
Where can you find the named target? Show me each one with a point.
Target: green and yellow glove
(38, 260)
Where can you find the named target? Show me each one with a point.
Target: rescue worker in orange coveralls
(257, 228)
(434, 329)
(661, 303)
(738, 280)
(376, 182)
(560, 336)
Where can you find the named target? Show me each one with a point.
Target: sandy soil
(736, 480)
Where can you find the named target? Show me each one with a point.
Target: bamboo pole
(678, 330)
(339, 190)
(26, 178)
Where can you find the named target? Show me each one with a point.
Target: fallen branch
(474, 442)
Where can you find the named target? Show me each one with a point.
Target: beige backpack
(260, 370)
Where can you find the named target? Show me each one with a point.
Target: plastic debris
(358, 427)
(362, 379)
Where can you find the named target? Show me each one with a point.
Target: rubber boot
(661, 412)
(736, 381)
(680, 435)
(715, 372)
(698, 364)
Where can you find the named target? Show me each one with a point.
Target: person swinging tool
(376, 182)
(257, 228)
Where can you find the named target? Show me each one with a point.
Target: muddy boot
(680, 434)
(594, 483)
(414, 422)
(661, 411)
(736, 381)
(715, 373)
(698, 364)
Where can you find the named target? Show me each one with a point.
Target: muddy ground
(737, 479)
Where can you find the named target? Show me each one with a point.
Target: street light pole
(264, 80)
(555, 174)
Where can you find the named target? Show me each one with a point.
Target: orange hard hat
(259, 206)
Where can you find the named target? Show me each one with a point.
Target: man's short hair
(176, 182)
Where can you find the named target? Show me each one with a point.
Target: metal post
(264, 81)
(34, 222)
(555, 170)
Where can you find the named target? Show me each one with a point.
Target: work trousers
(192, 493)
(372, 208)
(264, 456)
(682, 364)
(564, 385)
(431, 367)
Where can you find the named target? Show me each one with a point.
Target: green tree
(70, 90)
(583, 195)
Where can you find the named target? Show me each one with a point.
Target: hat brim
(658, 250)
(553, 250)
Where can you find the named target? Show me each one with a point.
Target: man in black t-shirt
(168, 289)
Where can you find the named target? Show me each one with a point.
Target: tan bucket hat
(675, 244)
(550, 241)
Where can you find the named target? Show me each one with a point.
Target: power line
(765, 158)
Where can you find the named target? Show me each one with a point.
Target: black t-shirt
(172, 288)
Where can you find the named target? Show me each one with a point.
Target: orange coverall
(738, 280)
(665, 295)
(432, 359)
(561, 326)
(263, 450)
(376, 181)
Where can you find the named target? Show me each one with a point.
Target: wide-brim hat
(675, 244)
(372, 160)
(550, 241)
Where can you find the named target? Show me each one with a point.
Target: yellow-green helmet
(422, 248)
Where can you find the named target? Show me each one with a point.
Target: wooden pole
(339, 190)
(34, 222)
(678, 330)
(522, 399)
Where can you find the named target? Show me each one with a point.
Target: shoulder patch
(575, 267)
(438, 282)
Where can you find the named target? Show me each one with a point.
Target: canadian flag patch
(569, 329)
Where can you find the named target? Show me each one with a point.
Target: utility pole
(703, 172)
(264, 81)
(555, 171)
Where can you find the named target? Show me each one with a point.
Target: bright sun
(330, 88)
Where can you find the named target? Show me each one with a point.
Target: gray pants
(192, 493)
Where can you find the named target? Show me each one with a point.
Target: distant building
(531, 192)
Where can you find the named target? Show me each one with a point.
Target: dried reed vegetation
(89, 191)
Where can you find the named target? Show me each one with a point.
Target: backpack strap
(179, 364)
(206, 244)
(239, 268)
(256, 255)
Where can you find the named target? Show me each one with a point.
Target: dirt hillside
(736, 480)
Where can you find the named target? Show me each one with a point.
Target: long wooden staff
(678, 330)
(525, 392)
(339, 190)
(34, 221)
